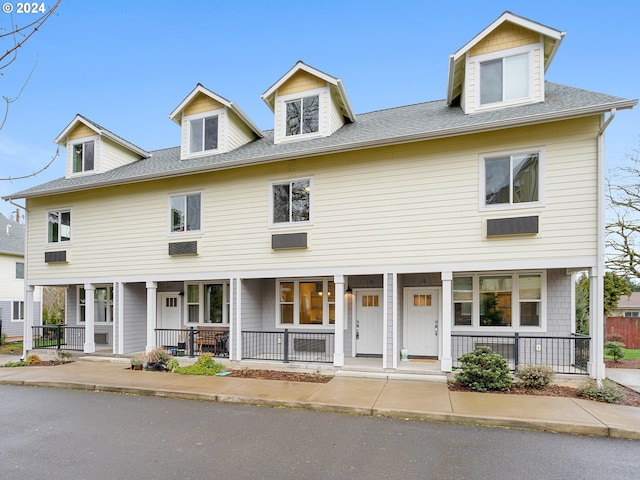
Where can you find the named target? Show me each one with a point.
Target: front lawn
(629, 354)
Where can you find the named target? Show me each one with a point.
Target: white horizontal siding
(113, 155)
(410, 204)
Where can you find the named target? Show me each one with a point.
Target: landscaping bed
(278, 375)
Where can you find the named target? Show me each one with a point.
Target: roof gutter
(422, 136)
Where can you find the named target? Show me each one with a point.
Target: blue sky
(127, 64)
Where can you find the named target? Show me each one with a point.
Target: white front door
(369, 322)
(169, 311)
(421, 309)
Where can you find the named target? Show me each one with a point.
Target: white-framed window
(185, 212)
(17, 311)
(306, 303)
(511, 179)
(102, 304)
(83, 156)
(59, 226)
(207, 302)
(499, 301)
(291, 201)
(302, 116)
(504, 77)
(203, 133)
(19, 270)
(632, 314)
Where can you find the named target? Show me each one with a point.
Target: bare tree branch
(10, 179)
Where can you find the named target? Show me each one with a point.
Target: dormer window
(83, 156)
(504, 79)
(203, 134)
(303, 116)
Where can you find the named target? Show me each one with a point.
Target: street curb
(526, 424)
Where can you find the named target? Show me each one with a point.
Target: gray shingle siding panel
(385, 127)
(11, 237)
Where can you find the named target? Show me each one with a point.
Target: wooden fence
(627, 327)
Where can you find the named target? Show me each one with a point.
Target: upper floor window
(504, 79)
(83, 156)
(19, 270)
(185, 213)
(511, 179)
(302, 116)
(291, 201)
(59, 226)
(203, 134)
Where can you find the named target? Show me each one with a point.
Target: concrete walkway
(628, 377)
(365, 396)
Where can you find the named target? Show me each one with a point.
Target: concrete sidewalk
(365, 396)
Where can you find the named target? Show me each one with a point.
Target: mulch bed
(277, 375)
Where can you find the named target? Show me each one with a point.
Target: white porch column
(235, 322)
(446, 362)
(152, 288)
(27, 343)
(89, 318)
(596, 367)
(338, 355)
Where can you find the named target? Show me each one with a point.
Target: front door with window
(421, 310)
(369, 322)
(169, 311)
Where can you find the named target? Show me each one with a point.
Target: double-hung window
(17, 310)
(19, 270)
(185, 212)
(291, 201)
(102, 304)
(83, 156)
(504, 79)
(203, 134)
(59, 226)
(208, 303)
(501, 300)
(302, 116)
(512, 179)
(306, 302)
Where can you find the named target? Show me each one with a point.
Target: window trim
(502, 54)
(186, 122)
(281, 111)
(511, 153)
(170, 220)
(290, 223)
(325, 325)
(76, 141)
(515, 303)
(20, 310)
(59, 242)
(226, 301)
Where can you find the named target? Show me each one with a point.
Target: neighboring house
(411, 230)
(625, 320)
(12, 273)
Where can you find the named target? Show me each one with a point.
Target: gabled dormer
(93, 149)
(307, 103)
(502, 66)
(211, 124)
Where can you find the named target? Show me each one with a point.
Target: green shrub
(172, 364)
(3, 339)
(205, 365)
(615, 350)
(32, 360)
(608, 392)
(483, 370)
(535, 377)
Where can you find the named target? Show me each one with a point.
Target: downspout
(26, 333)
(597, 330)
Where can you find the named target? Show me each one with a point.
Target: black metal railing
(563, 354)
(193, 341)
(286, 346)
(58, 337)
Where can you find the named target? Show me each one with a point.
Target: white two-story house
(416, 232)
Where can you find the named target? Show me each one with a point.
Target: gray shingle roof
(384, 127)
(11, 238)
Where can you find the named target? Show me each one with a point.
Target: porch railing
(286, 346)
(193, 342)
(563, 354)
(58, 337)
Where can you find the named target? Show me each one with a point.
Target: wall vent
(101, 338)
(316, 345)
(183, 248)
(288, 240)
(54, 257)
(512, 226)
